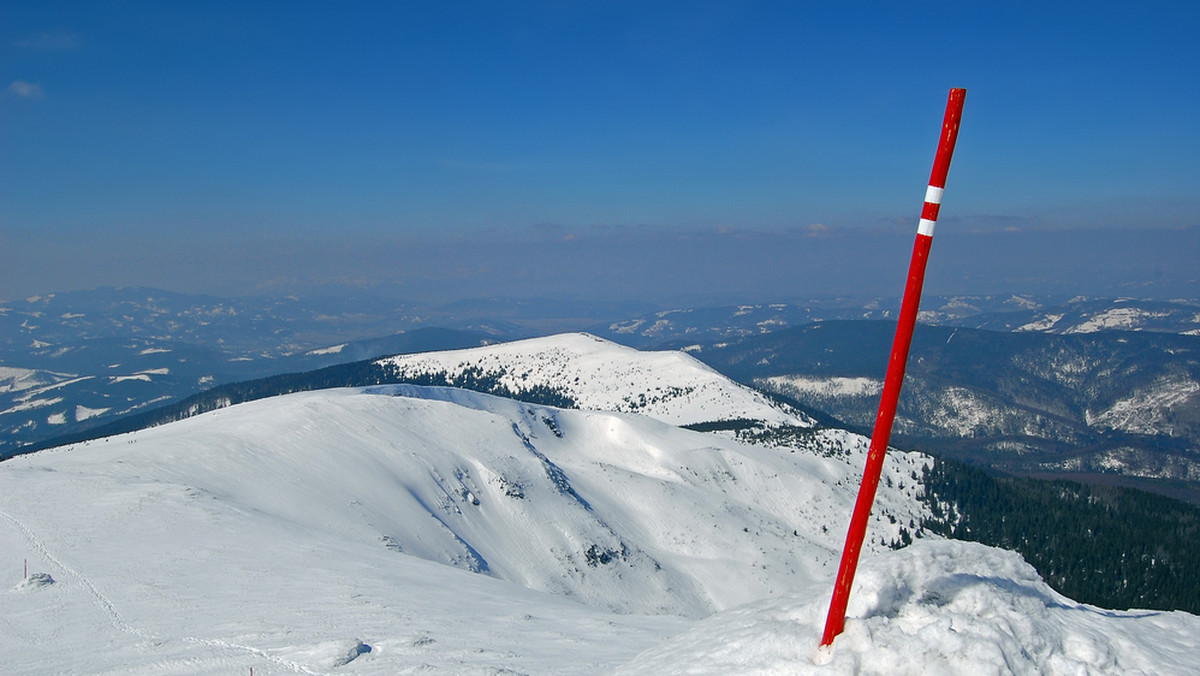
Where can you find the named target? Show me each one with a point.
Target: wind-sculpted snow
(600, 375)
(937, 607)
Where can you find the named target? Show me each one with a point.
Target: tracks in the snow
(106, 606)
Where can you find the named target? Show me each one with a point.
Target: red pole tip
(950, 124)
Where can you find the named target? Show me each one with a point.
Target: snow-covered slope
(1150, 409)
(280, 533)
(404, 529)
(600, 375)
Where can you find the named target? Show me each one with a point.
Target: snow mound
(936, 607)
(35, 581)
(326, 655)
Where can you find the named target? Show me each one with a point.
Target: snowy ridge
(600, 375)
(1082, 315)
(1148, 410)
(830, 386)
(1117, 318)
(17, 379)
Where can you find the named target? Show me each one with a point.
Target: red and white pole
(895, 372)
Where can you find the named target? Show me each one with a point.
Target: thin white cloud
(25, 90)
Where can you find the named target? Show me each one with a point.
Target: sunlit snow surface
(400, 530)
(936, 607)
(598, 374)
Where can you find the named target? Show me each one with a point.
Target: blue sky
(764, 150)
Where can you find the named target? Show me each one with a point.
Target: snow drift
(936, 607)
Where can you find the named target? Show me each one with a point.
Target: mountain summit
(601, 375)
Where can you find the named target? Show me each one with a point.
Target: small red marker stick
(836, 620)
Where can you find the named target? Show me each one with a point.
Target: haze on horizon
(595, 150)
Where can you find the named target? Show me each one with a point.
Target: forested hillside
(1108, 546)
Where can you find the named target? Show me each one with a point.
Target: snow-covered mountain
(408, 529)
(597, 374)
(276, 527)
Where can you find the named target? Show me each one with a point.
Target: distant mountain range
(1051, 387)
(1113, 406)
(73, 361)
(994, 313)
(64, 388)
